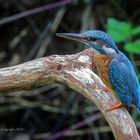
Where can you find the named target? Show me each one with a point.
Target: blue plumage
(121, 73)
(124, 80)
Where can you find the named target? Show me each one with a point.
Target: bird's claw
(106, 89)
(116, 106)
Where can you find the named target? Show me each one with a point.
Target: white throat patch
(108, 50)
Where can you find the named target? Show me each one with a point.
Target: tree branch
(76, 71)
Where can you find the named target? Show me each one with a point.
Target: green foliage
(133, 47)
(122, 31)
(136, 31)
(119, 31)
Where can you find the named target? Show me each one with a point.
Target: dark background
(42, 113)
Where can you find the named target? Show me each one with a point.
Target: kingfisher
(114, 68)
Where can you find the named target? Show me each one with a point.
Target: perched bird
(114, 68)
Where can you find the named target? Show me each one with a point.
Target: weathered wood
(76, 71)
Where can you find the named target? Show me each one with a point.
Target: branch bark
(76, 71)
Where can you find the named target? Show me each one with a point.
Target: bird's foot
(119, 105)
(106, 89)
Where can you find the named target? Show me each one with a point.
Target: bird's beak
(71, 36)
(83, 39)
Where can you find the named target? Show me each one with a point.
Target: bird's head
(98, 40)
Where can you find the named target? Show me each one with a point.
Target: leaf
(133, 47)
(139, 76)
(136, 30)
(119, 30)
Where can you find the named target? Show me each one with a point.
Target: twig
(34, 11)
(46, 36)
(52, 30)
(75, 126)
(76, 71)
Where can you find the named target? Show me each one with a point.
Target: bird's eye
(94, 39)
(89, 38)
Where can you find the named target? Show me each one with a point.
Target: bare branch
(76, 71)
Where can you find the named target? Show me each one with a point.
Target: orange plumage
(103, 62)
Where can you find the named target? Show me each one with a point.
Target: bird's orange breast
(103, 62)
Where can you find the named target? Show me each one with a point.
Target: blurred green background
(47, 112)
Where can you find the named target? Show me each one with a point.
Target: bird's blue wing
(122, 80)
